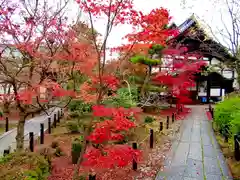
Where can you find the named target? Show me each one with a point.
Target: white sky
(206, 10)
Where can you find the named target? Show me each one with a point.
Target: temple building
(220, 80)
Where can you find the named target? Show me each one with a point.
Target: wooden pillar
(197, 87)
(208, 88)
(221, 83)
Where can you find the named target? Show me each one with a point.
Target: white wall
(235, 83)
(215, 61)
(43, 91)
(227, 73)
(4, 90)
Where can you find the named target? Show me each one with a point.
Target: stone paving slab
(197, 155)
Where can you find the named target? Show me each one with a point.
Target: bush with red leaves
(103, 153)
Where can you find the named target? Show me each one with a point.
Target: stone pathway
(196, 154)
(33, 125)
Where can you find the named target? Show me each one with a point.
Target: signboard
(227, 74)
(202, 94)
(223, 94)
(215, 92)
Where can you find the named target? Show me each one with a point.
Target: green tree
(153, 58)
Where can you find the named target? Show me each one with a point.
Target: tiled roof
(209, 45)
(188, 23)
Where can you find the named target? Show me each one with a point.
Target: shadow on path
(196, 155)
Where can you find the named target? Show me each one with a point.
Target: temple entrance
(211, 88)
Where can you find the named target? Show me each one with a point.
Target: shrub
(123, 98)
(47, 152)
(227, 114)
(76, 149)
(74, 114)
(80, 107)
(58, 152)
(149, 119)
(73, 127)
(55, 144)
(19, 166)
(76, 146)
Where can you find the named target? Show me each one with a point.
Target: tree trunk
(6, 110)
(146, 80)
(84, 147)
(20, 133)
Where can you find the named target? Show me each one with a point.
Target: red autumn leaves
(180, 78)
(121, 12)
(116, 120)
(27, 95)
(115, 156)
(112, 129)
(153, 27)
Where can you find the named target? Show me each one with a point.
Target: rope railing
(141, 142)
(150, 136)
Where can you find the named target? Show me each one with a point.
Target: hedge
(227, 115)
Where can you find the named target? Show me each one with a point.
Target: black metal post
(151, 138)
(173, 117)
(61, 112)
(167, 124)
(210, 107)
(7, 125)
(49, 125)
(31, 141)
(236, 148)
(58, 117)
(134, 146)
(6, 152)
(181, 108)
(41, 133)
(212, 113)
(161, 126)
(208, 89)
(55, 121)
(226, 138)
(92, 177)
(225, 133)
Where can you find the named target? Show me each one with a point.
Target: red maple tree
(102, 153)
(111, 129)
(180, 76)
(153, 31)
(35, 47)
(62, 45)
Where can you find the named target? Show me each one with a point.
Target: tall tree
(100, 81)
(115, 12)
(35, 42)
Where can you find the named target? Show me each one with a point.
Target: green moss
(149, 119)
(19, 166)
